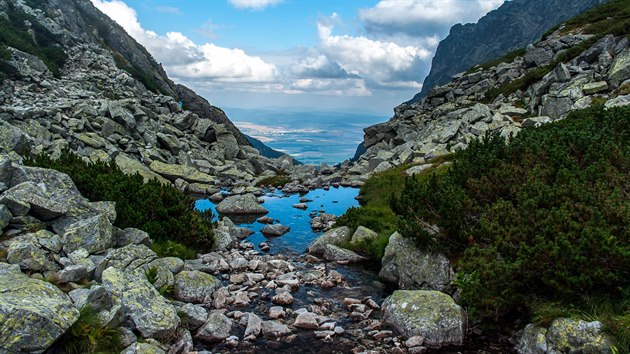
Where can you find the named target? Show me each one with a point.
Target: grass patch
(164, 212)
(46, 46)
(376, 213)
(87, 335)
(544, 217)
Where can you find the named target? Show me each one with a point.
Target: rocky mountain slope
(514, 25)
(105, 98)
(570, 69)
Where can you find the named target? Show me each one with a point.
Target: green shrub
(161, 210)
(87, 335)
(544, 217)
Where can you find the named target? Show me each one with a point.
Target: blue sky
(359, 55)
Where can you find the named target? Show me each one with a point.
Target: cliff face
(514, 25)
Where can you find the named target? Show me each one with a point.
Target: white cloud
(253, 4)
(331, 87)
(423, 17)
(183, 58)
(383, 62)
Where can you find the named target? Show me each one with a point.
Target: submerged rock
(33, 313)
(275, 230)
(431, 314)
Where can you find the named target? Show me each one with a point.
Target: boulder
(216, 328)
(338, 254)
(131, 166)
(131, 258)
(150, 313)
(143, 348)
(193, 316)
(336, 236)
(306, 320)
(411, 268)
(30, 198)
(363, 234)
(594, 87)
(132, 236)
(175, 171)
(274, 329)
(94, 234)
(34, 251)
(430, 314)
(33, 313)
(416, 170)
(620, 69)
(194, 286)
(5, 216)
(241, 204)
(254, 325)
(275, 230)
(565, 335)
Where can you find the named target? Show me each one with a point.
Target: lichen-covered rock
(194, 286)
(431, 314)
(338, 254)
(403, 263)
(363, 234)
(94, 234)
(565, 335)
(33, 313)
(187, 173)
(31, 198)
(142, 348)
(131, 258)
(34, 251)
(151, 314)
(216, 328)
(131, 166)
(241, 204)
(620, 68)
(5, 216)
(193, 316)
(336, 237)
(130, 236)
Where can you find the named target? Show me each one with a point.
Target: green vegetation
(87, 335)
(161, 210)
(43, 44)
(276, 181)
(544, 217)
(376, 213)
(611, 18)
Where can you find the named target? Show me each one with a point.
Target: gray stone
(363, 234)
(536, 121)
(73, 273)
(193, 316)
(618, 101)
(274, 329)
(5, 216)
(241, 204)
(430, 314)
(31, 198)
(275, 230)
(416, 170)
(306, 320)
(620, 69)
(132, 236)
(143, 348)
(411, 268)
(34, 251)
(174, 171)
(338, 254)
(565, 335)
(194, 286)
(216, 328)
(254, 325)
(336, 236)
(556, 107)
(151, 314)
(33, 313)
(94, 234)
(594, 87)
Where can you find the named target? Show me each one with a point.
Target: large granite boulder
(411, 268)
(131, 258)
(174, 171)
(336, 237)
(34, 251)
(241, 204)
(151, 314)
(94, 234)
(216, 328)
(194, 286)
(33, 313)
(430, 314)
(338, 254)
(565, 335)
(30, 198)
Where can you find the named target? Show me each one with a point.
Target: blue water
(312, 137)
(334, 201)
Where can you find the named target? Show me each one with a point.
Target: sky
(356, 56)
